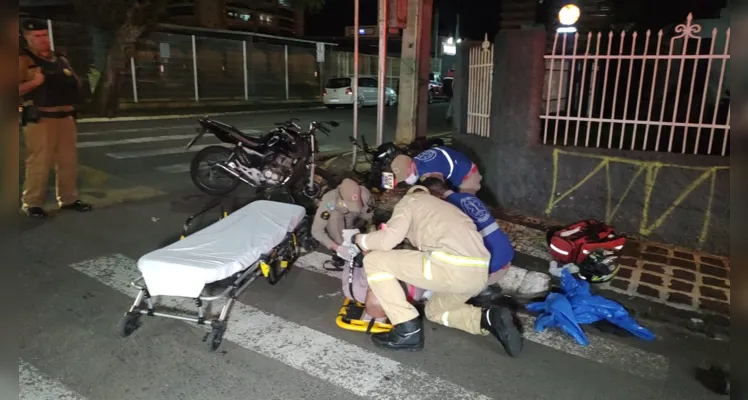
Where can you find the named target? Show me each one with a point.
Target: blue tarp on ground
(575, 306)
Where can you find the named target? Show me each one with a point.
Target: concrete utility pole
(382, 78)
(415, 63)
(355, 81)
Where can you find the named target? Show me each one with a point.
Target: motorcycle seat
(246, 139)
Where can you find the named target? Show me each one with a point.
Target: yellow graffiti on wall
(651, 170)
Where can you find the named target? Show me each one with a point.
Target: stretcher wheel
(215, 337)
(128, 324)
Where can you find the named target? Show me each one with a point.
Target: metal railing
(661, 93)
(204, 64)
(480, 84)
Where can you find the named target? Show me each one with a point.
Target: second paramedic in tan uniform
(341, 208)
(451, 261)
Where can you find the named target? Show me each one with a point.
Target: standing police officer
(49, 89)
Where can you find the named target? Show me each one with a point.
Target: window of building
(267, 19)
(239, 15)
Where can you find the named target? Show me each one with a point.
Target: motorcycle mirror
(335, 124)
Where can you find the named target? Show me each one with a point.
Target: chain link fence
(185, 64)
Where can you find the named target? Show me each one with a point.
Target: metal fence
(170, 65)
(658, 91)
(480, 84)
(342, 65)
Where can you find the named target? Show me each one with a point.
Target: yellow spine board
(358, 325)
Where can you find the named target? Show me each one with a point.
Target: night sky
(476, 17)
(482, 16)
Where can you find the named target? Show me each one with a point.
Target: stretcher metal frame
(272, 266)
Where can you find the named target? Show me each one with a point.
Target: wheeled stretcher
(261, 238)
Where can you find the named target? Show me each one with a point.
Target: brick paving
(670, 275)
(675, 276)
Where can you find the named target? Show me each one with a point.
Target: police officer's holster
(452, 279)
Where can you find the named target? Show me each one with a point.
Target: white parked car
(338, 92)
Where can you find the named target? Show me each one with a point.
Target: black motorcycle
(282, 158)
(381, 157)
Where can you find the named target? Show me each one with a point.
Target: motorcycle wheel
(212, 155)
(322, 183)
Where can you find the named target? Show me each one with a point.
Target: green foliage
(110, 15)
(309, 5)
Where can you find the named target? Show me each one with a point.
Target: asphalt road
(282, 341)
(151, 152)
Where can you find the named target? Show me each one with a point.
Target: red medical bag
(572, 244)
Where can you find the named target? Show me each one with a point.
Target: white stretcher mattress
(220, 250)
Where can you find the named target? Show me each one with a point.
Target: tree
(126, 21)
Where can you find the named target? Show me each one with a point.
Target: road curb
(193, 115)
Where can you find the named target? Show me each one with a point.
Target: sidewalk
(129, 111)
(656, 281)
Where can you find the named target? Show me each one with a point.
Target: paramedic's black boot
(486, 298)
(499, 321)
(404, 336)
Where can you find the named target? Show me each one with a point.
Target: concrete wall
(678, 199)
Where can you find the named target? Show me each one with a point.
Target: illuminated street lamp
(568, 16)
(448, 47)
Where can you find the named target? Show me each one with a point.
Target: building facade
(275, 17)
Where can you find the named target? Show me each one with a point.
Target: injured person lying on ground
(451, 262)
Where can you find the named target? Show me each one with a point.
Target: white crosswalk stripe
(33, 385)
(350, 367)
(131, 146)
(353, 368)
(600, 349)
(160, 152)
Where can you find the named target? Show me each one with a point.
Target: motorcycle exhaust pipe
(241, 178)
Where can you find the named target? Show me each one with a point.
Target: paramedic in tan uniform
(344, 207)
(48, 84)
(451, 261)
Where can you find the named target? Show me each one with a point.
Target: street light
(568, 16)
(448, 47)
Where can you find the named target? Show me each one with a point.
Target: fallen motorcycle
(282, 158)
(381, 157)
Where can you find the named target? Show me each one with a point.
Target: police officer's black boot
(404, 336)
(35, 212)
(499, 321)
(77, 206)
